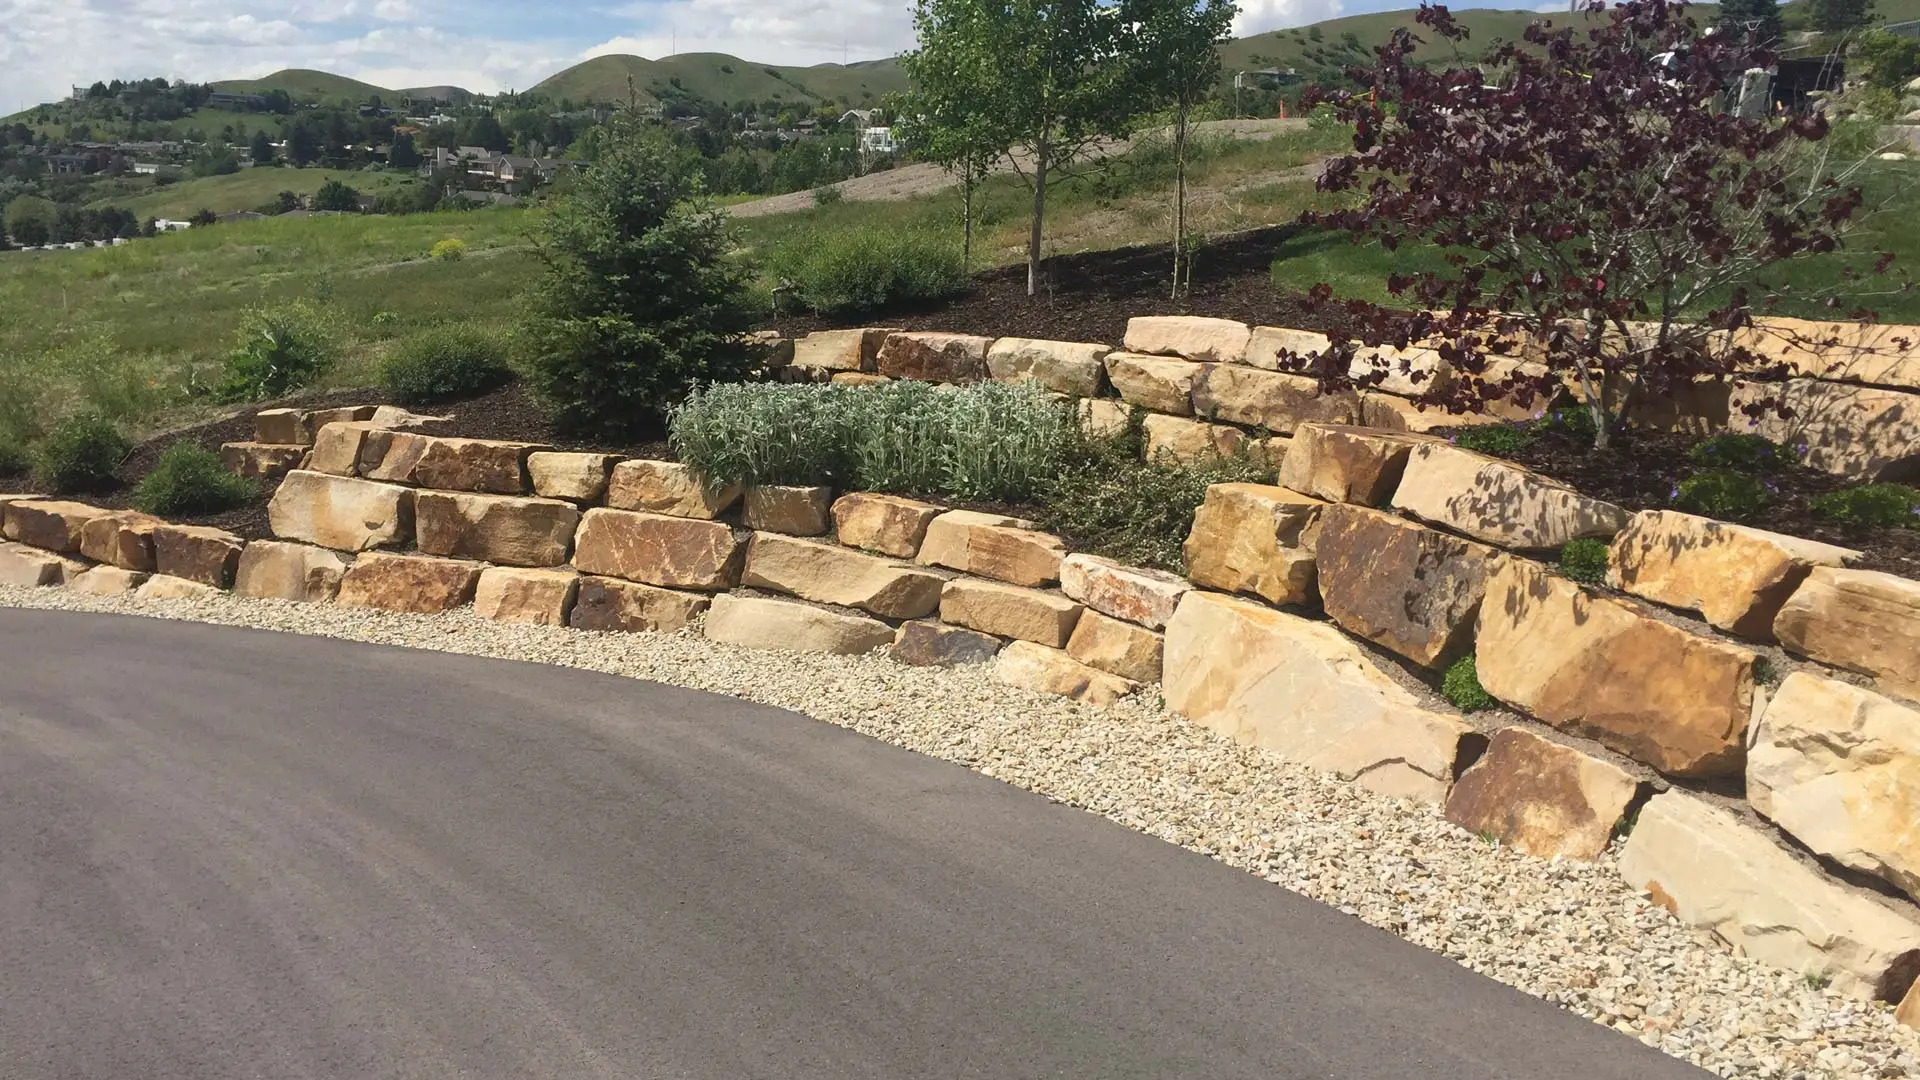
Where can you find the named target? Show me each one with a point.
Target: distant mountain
(722, 78)
(302, 84)
(451, 95)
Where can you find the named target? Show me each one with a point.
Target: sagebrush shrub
(279, 351)
(1871, 505)
(1584, 559)
(1721, 493)
(190, 479)
(80, 454)
(864, 270)
(1740, 451)
(1461, 686)
(442, 363)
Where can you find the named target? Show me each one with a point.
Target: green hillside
(302, 84)
(718, 77)
(247, 189)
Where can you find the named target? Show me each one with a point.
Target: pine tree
(1839, 16)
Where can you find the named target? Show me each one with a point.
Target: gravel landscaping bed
(1572, 933)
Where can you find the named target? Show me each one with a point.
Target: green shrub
(449, 250)
(80, 454)
(863, 270)
(1871, 504)
(1584, 559)
(1741, 452)
(1496, 439)
(279, 351)
(14, 458)
(190, 480)
(1720, 493)
(827, 195)
(443, 362)
(1573, 421)
(767, 433)
(1461, 686)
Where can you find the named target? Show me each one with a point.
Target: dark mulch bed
(1643, 469)
(1090, 297)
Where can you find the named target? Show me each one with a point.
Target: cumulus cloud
(1260, 16)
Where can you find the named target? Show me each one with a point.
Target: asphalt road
(239, 854)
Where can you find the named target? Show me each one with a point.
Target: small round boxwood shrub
(1720, 493)
(1741, 452)
(1871, 504)
(442, 363)
(449, 250)
(1496, 439)
(1461, 686)
(80, 454)
(189, 479)
(1584, 559)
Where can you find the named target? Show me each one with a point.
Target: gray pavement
(229, 853)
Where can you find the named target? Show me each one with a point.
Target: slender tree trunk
(966, 243)
(1596, 399)
(1179, 193)
(1039, 221)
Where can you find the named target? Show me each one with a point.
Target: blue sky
(480, 44)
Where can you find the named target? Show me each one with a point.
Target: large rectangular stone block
(1547, 800)
(1736, 577)
(888, 524)
(1272, 400)
(1256, 538)
(830, 574)
(197, 553)
(612, 604)
(668, 487)
(123, 538)
(658, 549)
(536, 597)
(1193, 337)
(1154, 383)
(991, 545)
(412, 583)
(758, 622)
(1050, 671)
(1861, 620)
(32, 568)
(485, 465)
(1346, 464)
(1497, 501)
(501, 529)
(1074, 368)
(840, 350)
(341, 512)
(273, 570)
(934, 357)
(1009, 611)
(49, 524)
(1859, 432)
(1403, 587)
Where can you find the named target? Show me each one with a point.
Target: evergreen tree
(261, 149)
(1839, 16)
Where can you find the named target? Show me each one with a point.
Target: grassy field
(249, 188)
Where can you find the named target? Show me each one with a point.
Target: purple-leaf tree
(1606, 210)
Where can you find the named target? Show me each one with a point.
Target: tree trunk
(1179, 193)
(1596, 400)
(1039, 220)
(966, 243)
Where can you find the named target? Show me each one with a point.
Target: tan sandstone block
(1154, 384)
(280, 426)
(830, 574)
(1272, 400)
(1409, 372)
(1403, 587)
(1859, 432)
(539, 597)
(392, 456)
(337, 447)
(576, 477)
(274, 570)
(197, 553)
(312, 420)
(1181, 440)
(927, 643)
(484, 465)
(1718, 873)
(1050, 671)
(1306, 692)
(1385, 412)
(1598, 667)
(341, 512)
(758, 622)
(1120, 648)
(415, 583)
(658, 549)
(1541, 798)
(858, 378)
(123, 538)
(611, 604)
(1255, 538)
(32, 568)
(1009, 611)
(888, 524)
(1875, 353)
(1074, 368)
(1736, 577)
(1346, 464)
(1104, 416)
(1214, 341)
(796, 511)
(500, 529)
(1861, 620)
(1147, 597)
(107, 581)
(164, 587)
(933, 357)
(1497, 501)
(49, 524)
(1265, 347)
(667, 487)
(261, 461)
(991, 545)
(840, 350)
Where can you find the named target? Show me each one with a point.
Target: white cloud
(795, 32)
(1260, 16)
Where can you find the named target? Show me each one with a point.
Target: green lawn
(248, 189)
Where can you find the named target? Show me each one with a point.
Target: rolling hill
(302, 84)
(722, 78)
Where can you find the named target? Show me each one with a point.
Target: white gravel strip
(1570, 932)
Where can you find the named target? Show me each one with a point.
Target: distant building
(236, 102)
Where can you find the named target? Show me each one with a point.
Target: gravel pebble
(1570, 932)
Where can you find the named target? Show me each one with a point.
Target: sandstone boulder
(123, 538)
(1269, 399)
(629, 607)
(1497, 501)
(580, 478)
(666, 487)
(1009, 611)
(337, 447)
(1385, 412)
(1214, 341)
(1181, 440)
(857, 378)
(1154, 384)
(990, 545)
(1050, 671)
(1408, 372)
(1736, 577)
(197, 553)
(539, 597)
(262, 461)
(1839, 768)
(758, 622)
(1716, 872)
(932, 357)
(1541, 798)
(927, 643)
(840, 350)
(282, 426)
(1601, 668)
(392, 456)
(1104, 416)
(163, 587)
(1403, 587)
(1147, 597)
(312, 420)
(1859, 432)
(656, 549)
(395, 418)
(796, 511)
(416, 583)
(1861, 620)
(341, 512)
(887, 524)
(1346, 464)
(1119, 648)
(830, 574)
(1256, 538)
(107, 581)
(1873, 353)
(1075, 368)
(1304, 691)
(1267, 344)
(273, 570)
(48, 524)
(484, 465)
(32, 568)
(500, 529)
